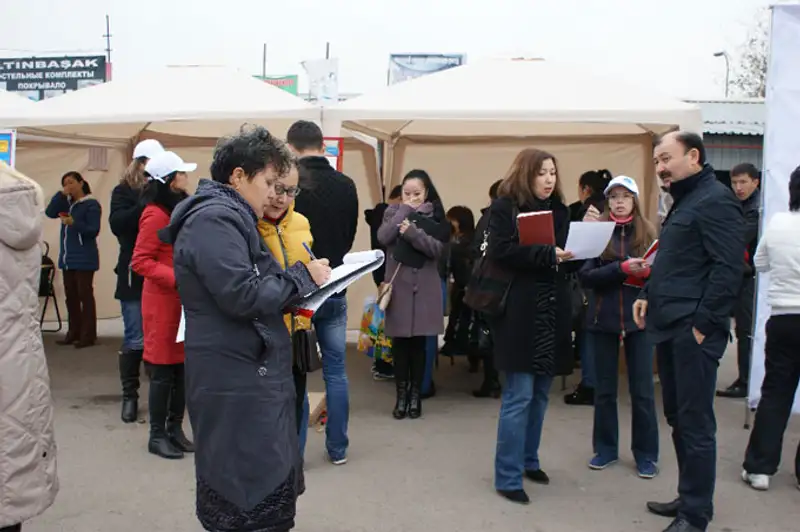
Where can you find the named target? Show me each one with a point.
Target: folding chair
(47, 278)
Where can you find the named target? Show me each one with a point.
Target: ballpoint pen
(310, 253)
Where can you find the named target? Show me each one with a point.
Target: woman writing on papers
(240, 390)
(614, 281)
(285, 231)
(533, 332)
(161, 306)
(414, 234)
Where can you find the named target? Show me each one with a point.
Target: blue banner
(8, 146)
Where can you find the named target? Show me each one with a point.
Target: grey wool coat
(239, 386)
(416, 307)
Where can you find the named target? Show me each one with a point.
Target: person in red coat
(161, 306)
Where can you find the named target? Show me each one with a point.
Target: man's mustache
(664, 175)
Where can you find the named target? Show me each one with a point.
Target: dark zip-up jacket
(78, 250)
(125, 211)
(610, 300)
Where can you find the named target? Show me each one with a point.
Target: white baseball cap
(165, 163)
(625, 182)
(148, 148)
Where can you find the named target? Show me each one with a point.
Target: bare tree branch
(749, 76)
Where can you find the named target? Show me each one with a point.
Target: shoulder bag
(489, 284)
(306, 354)
(385, 291)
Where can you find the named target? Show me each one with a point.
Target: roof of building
(733, 117)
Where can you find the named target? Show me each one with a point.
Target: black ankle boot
(414, 402)
(177, 437)
(129, 364)
(488, 389)
(401, 404)
(160, 445)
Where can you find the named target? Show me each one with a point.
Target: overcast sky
(665, 43)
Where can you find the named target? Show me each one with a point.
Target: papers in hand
(355, 266)
(650, 255)
(587, 240)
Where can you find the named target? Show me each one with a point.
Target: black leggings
(409, 359)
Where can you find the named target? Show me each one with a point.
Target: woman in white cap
(161, 305)
(613, 282)
(124, 220)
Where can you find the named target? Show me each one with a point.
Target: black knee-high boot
(159, 401)
(130, 362)
(400, 354)
(177, 407)
(417, 363)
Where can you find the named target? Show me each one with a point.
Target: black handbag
(489, 284)
(306, 354)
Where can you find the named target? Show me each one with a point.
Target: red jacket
(161, 305)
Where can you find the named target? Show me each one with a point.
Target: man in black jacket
(330, 202)
(744, 182)
(687, 305)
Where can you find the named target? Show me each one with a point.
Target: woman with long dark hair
(414, 234)
(614, 280)
(78, 257)
(533, 332)
(126, 208)
(161, 305)
(458, 268)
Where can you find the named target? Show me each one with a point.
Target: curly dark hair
(253, 149)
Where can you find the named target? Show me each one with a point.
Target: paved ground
(434, 474)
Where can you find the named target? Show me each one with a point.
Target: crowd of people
(232, 260)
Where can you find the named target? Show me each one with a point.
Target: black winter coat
(698, 270)
(240, 391)
(124, 220)
(610, 300)
(534, 333)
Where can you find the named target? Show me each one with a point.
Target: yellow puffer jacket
(285, 239)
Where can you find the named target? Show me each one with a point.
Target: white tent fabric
(186, 101)
(513, 98)
(11, 104)
(781, 149)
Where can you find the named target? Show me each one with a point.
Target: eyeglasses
(281, 189)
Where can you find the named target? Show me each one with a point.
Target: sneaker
(598, 463)
(337, 461)
(647, 470)
(378, 376)
(757, 482)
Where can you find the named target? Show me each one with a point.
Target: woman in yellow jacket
(285, 232)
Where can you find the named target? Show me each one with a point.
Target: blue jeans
(432, 349)
(519, 429)
(588, 363)
(330, 323)
(133, 336)
(639, 359)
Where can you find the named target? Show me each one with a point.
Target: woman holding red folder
(613, 282)
(532, 335)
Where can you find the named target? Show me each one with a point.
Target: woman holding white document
(613, 282)
(532, 331)
(240, 390)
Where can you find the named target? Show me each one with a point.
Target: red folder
(536, 228)
(649, 254)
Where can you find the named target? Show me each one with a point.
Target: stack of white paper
(356, 265)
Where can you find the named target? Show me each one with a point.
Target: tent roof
(507, 97)
(11, 103)
(190, 101)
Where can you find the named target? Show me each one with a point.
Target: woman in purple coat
(414, 234)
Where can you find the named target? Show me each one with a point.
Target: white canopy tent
(94, 130)
(11, 104)
(191, 101)
(513, 98)
(467, 123)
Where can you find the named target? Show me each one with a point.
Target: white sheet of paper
(587, 240)
(352, 262)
